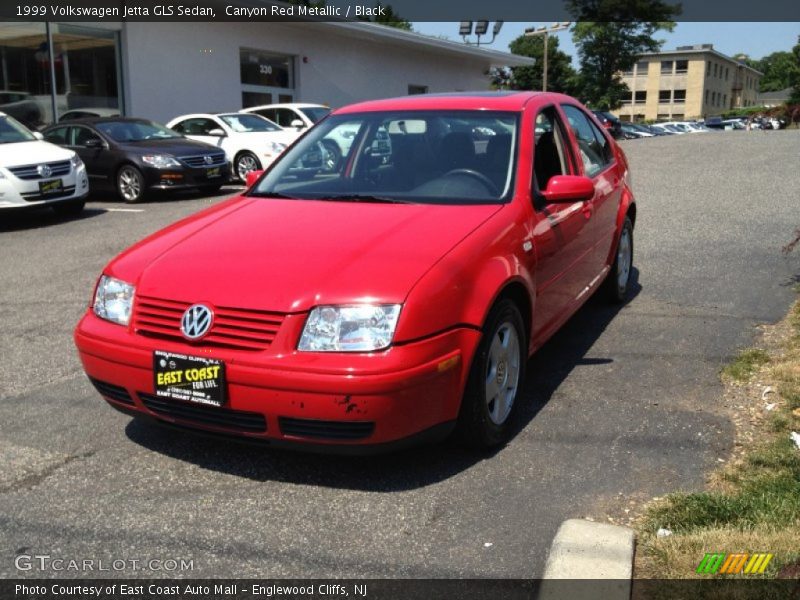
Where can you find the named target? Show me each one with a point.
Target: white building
(161, 70)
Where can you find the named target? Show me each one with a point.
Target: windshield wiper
(365, 198)
(276, 195)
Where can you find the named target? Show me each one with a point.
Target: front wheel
(130, 184)
(244, 163)
(617, 283)
(496, 379)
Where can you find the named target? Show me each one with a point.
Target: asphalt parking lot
(621, 405)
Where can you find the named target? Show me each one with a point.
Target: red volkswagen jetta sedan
(391, 297)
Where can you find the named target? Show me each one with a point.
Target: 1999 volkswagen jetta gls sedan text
(383, 302)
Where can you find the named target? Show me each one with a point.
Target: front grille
(115, 392)
(36, 196)
(331, 430)
(235, 328)
(57, 169)
(205, 415)
(199, 161)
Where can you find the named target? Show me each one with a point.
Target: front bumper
(182, 178)
(16, 193)
(318, 400)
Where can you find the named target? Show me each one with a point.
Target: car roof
(98, 121)
(502, 101)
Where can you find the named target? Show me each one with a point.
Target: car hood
(291, 255)
(176, 147)
(31, 153)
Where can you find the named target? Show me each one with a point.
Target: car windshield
(315, 113)
(12, 131)
(248, 123)
(135, 131)
(442, 157)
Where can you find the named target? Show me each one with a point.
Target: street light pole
(544, 31)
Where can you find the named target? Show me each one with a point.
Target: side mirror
(297, 124)
(568, 188)
(252, 177)
(93, 143)
(217, 132)
(38, 135)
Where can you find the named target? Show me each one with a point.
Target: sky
(755, 39)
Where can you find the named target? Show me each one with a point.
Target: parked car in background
(381, 303)
(137, 156)
(659, 129)
(297, 117)
(611, 123)
(36, 173)
(22, 107)
(634, 131)
(250, 141)
(87, 113)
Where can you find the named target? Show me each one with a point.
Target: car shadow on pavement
(43, 217)
(402, 470)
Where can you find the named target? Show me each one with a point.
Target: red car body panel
(445, 264)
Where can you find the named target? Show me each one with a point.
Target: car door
(200, 128)
(560, 230)
(598, 162)
(93, 151)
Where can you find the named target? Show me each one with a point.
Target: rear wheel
(496, 379)
(617, 283)
(130, 184)
(70, 208)
(332, 155)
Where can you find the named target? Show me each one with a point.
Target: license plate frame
(188, 378)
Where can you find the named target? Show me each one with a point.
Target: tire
(617, 283)
(130, 184)
(486, 415)
(334, 158)
(71, 208)
(245, 162)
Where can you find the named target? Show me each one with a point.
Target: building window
(681, 66)
(666, 67)
(664, 96)
(679, 96)
(662, 116)
(265, 77)
(725, 100)
(417, 89)
(627, 100)
(628, 71)
(715, 69)
(642, 67)
(726, 73)
(706, 96)
(708, 68)
(640, 98)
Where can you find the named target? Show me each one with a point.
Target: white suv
(37, 173)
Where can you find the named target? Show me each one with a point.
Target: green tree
(389, 18)
(560, 74)
(795, 96)
(779, 69)
(610, 36)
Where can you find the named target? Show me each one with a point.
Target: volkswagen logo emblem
(209, 160)
(44, 170)
(196, 321)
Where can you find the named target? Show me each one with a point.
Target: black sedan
(134, 156)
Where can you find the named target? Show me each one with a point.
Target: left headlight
(360, 328)
(161, 161)
(75, 162)
(113, 300)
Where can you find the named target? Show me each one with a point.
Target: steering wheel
(476, 175)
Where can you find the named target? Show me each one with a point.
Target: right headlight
(113, 300)
(360, 328)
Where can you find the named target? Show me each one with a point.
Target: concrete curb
(584, 550)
